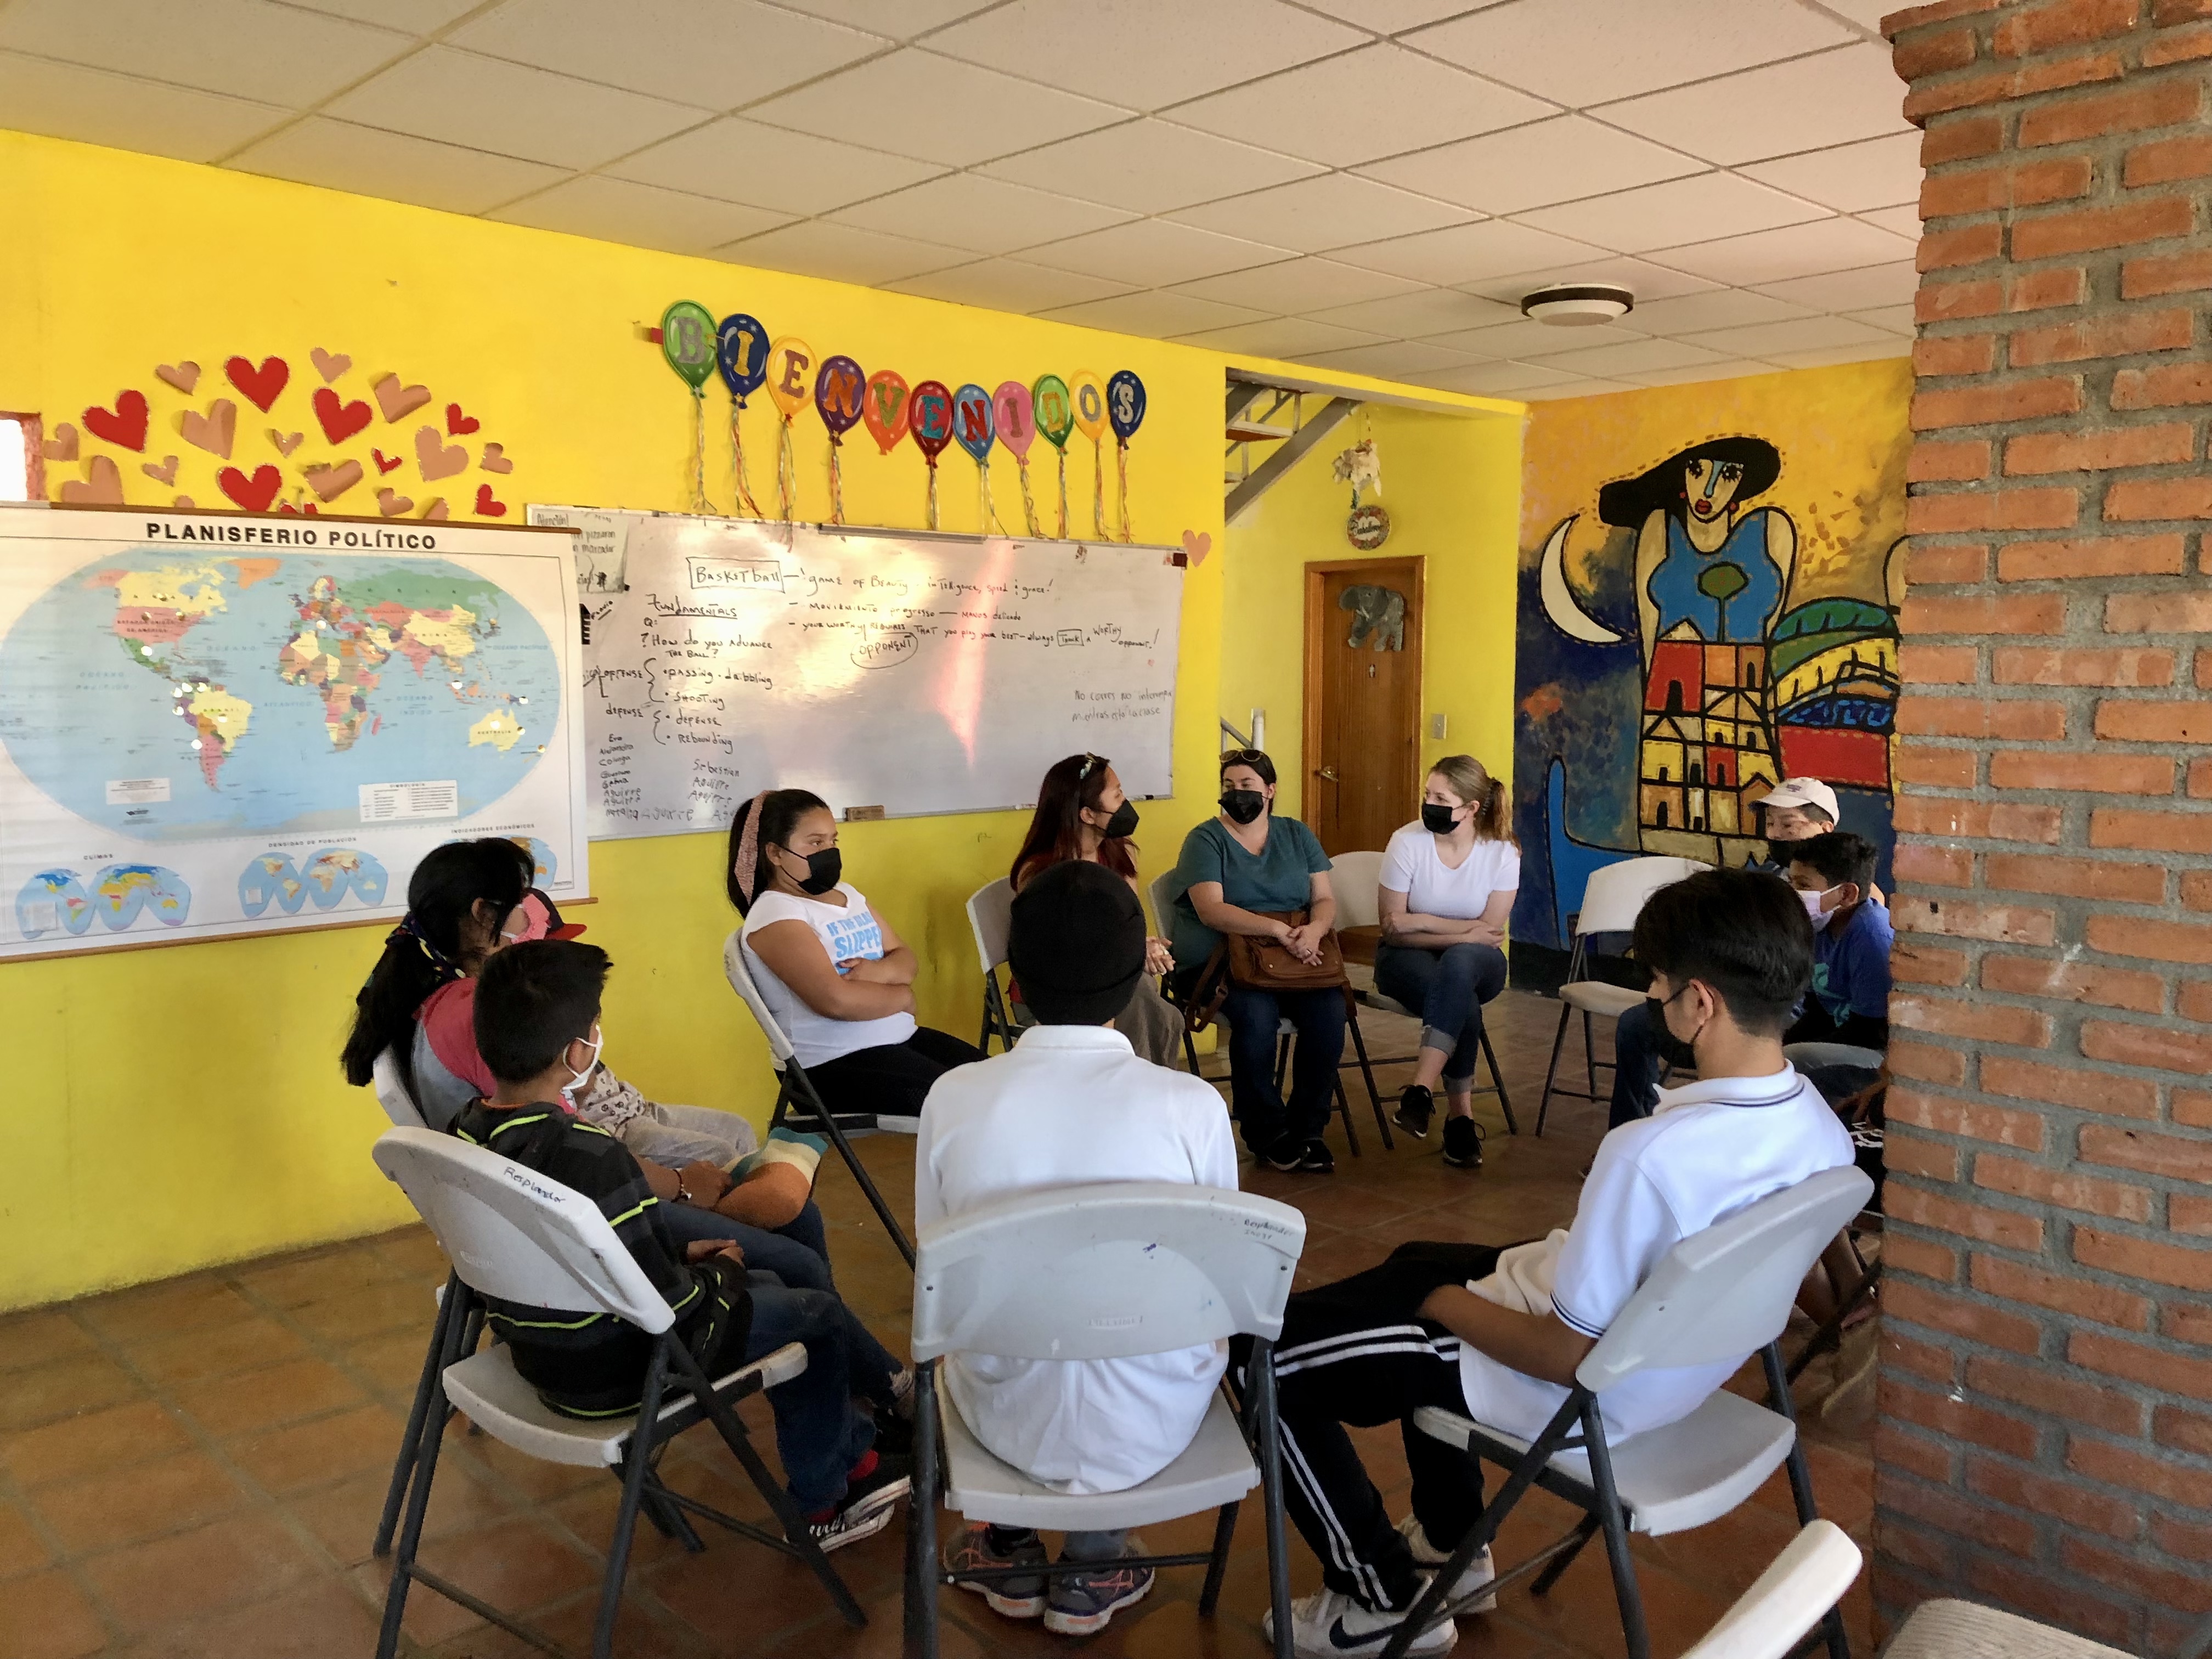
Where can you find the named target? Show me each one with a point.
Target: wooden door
(1363, 700)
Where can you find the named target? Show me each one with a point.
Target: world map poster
(221, 723)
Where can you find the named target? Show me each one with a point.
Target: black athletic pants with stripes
(1357, 1353)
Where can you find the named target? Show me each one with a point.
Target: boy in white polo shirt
(1072, 1104)
(1496, 1333)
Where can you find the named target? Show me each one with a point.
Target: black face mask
(1243, 806)
(824, 869)
(1438, 820)
(1123, 823)
(1670, 1049)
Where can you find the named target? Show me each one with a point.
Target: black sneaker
(1415, 1108)
(1462, 1142)
(1316, 1158)
(868, 1505)
(1286, 1154)
(894, 1433)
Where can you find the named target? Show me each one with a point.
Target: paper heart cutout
(285, 445)
(254, 493)
(383, 462)
(214, 431)
(459, 425)
(494, 460)
(486, 505)
(124, 424)
(1196, 545)
(437, 510)
(331, 482)
(340, 419)
(261, 386)
(397, 400)
(329, 364)
(102, 486)
(392, 503)
(184, 376)
(183, 504)
(308, 507)
(167, 472)
(62, 446)
(438, 460)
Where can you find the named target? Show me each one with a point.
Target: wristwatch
(683, 1192)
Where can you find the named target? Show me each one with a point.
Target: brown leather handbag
(1261, 964)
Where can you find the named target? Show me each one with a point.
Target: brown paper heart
(62, 446)
(495, 460)
(184, 376)
(329, 364)
(285, 442)
(183, 504)
(437, 510)
(167, 472)
(437, 459)
(214, 431)
(1196, 545)
(331, 482)
(397, 401)
(391, 503)
(103, 486)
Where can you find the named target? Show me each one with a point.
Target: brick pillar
(2045, 1441)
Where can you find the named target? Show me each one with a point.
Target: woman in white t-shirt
(1447, 889)
(837, 978)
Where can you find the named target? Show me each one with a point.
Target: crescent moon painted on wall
(1560, 603)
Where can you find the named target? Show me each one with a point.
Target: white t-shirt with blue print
(847, 931)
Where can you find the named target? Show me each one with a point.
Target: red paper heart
(309, 508)
(254, 493)
(459, 425)
(340, 419)
(260, 384)
(386, 462)
(486, 505)
(124, 424)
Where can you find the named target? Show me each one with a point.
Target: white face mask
(568, 1091)
(1812, 903)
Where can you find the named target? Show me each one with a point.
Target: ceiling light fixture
(1578, 305)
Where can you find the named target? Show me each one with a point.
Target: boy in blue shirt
(1851, 938)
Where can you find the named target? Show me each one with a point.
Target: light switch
(1436, 728)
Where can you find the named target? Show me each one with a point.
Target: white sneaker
(1326, 1625)
(1480, 1571)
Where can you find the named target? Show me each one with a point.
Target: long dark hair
(780, 810)
(425, 951)
(1629, 502)
(1055, 834)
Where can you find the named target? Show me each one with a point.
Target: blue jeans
(820, 1434)
(1635, 1065)
(1262, 1115)
(1447, 989)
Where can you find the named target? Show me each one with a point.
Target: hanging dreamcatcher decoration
(839, 392)
(687, 341)
(741, 355)
(791, 387)
(972, 427)
(1089, 395)
(1369, 525)
(929, 408)
(1125, 407)
(1053, 413)
(1011, 413)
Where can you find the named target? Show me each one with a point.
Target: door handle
(1328, 772)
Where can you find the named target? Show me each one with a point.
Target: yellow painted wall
(173, 1108)
(1452, 485)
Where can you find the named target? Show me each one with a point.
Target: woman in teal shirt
(1234, 867)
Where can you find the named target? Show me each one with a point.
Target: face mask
(824, 869)
(1812, 903)
(1243, 806)
(1438, 820)
(1122, 824)
(582, 1079)
(1670, 1049)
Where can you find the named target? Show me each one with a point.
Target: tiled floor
(195, 1468)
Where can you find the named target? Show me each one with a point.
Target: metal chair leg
(1614, 1526)
(1589, 1053)
(426, 1470)
(1344, 1108)
(829, 1122)
(1262, 1371)
(1498, 1080)
(1558, 1041)
(1224, 1529)
(1800, 1484)
(635, 1465)
(1367, 1071)
(921, 1516)
(410, 1440)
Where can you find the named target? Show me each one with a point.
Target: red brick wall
(2045, 1440)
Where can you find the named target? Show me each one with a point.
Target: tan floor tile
(64, 1388)
(39, 1338)
(392, 1304)
(219, 1351)
(343, 1518)
(320, 1452)
(21, 1550)
(392, 1362)
(152, 1312)
(268, 1399)
(226, 1564)
(97, 1440)
(410, 1252)
(516, 1565)
(294, 1281)
(143, 1500)
(47, 1617)
(322, 1618)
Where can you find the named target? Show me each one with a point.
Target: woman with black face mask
(836, 976)
(1234, 868)
(1083, 814)
(1447, 889)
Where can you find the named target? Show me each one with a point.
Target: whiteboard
(897, 673)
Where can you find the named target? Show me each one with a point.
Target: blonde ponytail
(1469, 779)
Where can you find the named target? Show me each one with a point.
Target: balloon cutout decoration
(839, 390)
(1054, 413)
(884, 409)
(790, 383)
(930, 414)
(1125, 407)
(1011, 413)
(1089, 394)
(687, 341)
(971, 428)
(741, 355)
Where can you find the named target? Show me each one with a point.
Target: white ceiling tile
(1710, 205)
(1149, 166)
(1394, 16)
(1871, 173)
(1773, 341)
(735, 160)
(1766, 257)
(1431, 311)
(1889, 346)
(1851, 291)
(815, 247)
(408, 17)
(714, 53)
(1904, 220)
(1495, 379)
(1581, 52)
(1143, 54)
(1300, 285)
(1156, 315)
(900, 20)
(1008, 285)
(1527, 339)
(1379, 101)
(1468, 253)
(510, 108)
(340, 156)
(1328, 212)
(96, 108)
(1545, 394)
(1643, 280)
(1393, 357)
(248, 49)
(1727, 369)
(972, 115)
(1279, 337)
(642, 215)
(1721, 307)
(1830, 98)
(1627, 357)
(970, 211)
(1534, 165)
(1153, 252)
(1898, 320)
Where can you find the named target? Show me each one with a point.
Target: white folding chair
(1103, 1272)
(1719, 1293)
(1356, 878)
(1612, 899)
(1769, 1619)
(391, 1093)
(514, 1236)
(1960, 1630)
(991, 919)
(1165, 894)
(794, 1087)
